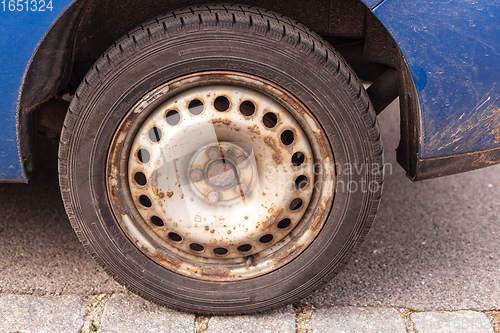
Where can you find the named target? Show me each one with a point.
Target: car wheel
(221, 160)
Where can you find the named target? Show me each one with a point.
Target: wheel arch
(50, 67)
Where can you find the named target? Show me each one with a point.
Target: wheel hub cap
(222, 173)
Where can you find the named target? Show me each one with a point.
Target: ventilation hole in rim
(298, 158)
(270, 119)
(285, 223)
(140, 178)
(287, 137)
(157, 221)
(196, 247)
(175, 237)
(143, 155)
(173, 117)
(301, 182)
(196, 107)
(296, 204)
(220, 251)
(155, 134)
(266, 239)
(247, 108)
(221, 103)
(145, 201)
(244, 248)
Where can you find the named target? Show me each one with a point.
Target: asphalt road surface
(434, 244)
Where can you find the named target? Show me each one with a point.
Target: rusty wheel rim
(220, 176)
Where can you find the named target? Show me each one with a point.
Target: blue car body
(451, 48)
(453, 52)
(21, 33)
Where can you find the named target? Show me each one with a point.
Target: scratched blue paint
(453, 51)
(20, 34)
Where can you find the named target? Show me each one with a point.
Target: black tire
(242, 39)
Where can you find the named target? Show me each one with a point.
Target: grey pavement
(282, 321)
(357, 320)
(432, 255)
(122, 313)
(461, 321)
(20, 313)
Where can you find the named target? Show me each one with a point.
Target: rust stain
(170, 194)
(226, 122)
(323, 145)
(497, 134)
(254, 129)
(496, 131)
(168, 259)
(214, 271)
(272, 219)
(284, 255)
(317, 218)
(115, 193)
(207, 228)
(193, 270)
(277, 158)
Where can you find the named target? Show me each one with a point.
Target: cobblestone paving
(123, 313)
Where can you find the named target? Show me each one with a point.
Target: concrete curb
(124, 313)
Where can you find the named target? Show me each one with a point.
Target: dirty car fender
(452, 49)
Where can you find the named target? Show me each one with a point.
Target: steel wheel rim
(157, 139)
